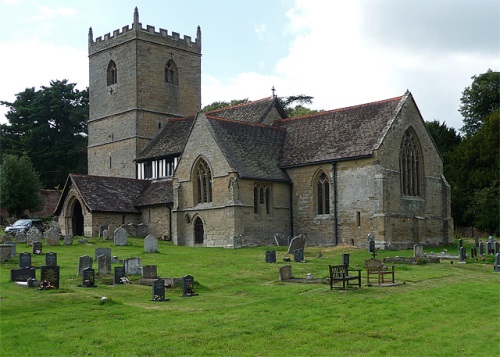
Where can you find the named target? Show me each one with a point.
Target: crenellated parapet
(149, 33)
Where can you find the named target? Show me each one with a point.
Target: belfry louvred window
(410, 165)
(112, 74)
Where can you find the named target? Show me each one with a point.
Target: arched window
(171, 73)
(410, 165)
(203, 178)
(199, 231)
(112, 76)
(262, 199)
(323, 194)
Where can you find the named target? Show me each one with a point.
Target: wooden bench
(341, 273)
(375, 266)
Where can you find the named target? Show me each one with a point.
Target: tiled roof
(337, 134)
(253, 150)
(159, 192)
(252, 112)
(170, 141)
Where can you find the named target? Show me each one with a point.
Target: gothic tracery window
(203, 178)
(410, 165)
(323, 194)
(112, 75)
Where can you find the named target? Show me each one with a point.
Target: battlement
(136, 30)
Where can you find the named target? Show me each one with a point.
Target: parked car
(24, 225)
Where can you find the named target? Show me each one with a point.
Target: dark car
(24, 225)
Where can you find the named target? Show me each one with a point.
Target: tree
(19, 186)
(221, 105)
(480, 100)
(50, 127)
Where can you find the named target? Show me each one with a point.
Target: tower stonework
(139, 78)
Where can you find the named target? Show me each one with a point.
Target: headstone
(371, 236)
(481, 248)
(298, 242)
(119, 274)
(20, 237)
(285, 273)
(103, 264)
(24, 260)
(22, 274)
(102, 228)
(49, 276)
(68, 239)
(418, 251)
(371, 246)
(282, 240)
(463, 254)
(33, 235)
(473, 252)
(497, 247)
(105, 234)
(188, 286)
(345, 260)
(84, 262)
(460, 244)
(132, 229)
(497, 262)
(132, 266)
(238, 241)
(12, 248)
(142, 230)
(270, 256)
(102, 251)
(88, 278)
(149, 272)
(51, 259)
(489, 247)
(5, 252)
(159, 290)
(298, 255)
(37, 248)
(476, 242)
(52, 237)
(150, 244)
(121, 236)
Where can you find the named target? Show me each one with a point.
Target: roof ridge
(213, 117)
(240, 105)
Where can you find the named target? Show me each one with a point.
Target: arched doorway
(77, 217)
(199, 232)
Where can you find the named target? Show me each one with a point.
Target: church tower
(139, 78)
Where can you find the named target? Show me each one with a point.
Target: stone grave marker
(102, 228)
(103, 264)
(476, 242)
(52, 237)
(418, 251)
(481, 248)
(460, 244)
(238, 241)
(497, 262)
(150, 244)
(497, 247)
(33, 235)
(21, 237)
(345, 259)
(285, 273)
(473, 252)
(132, 229)
(24, 260)
(5, 252)
(68, 239)
(105, 234)
(298, 255)
(12, 248)
(298, 242)
(188, 286)
(37, 248)
(51, 259)
(488, 247)
(371, 246)
(491, 239)
(88, 278)
(270, 256)
(119, 274)
(22, 274)
(84, 262)
(102, 251)
(121, 236)
(132, 266)
(463, 254)
(282, 240)
(49, 277)
(150, 272)
(159, 290)
(142, 230)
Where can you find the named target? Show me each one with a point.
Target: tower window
(112, 74)
(171, 73)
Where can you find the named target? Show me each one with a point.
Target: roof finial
(273, 90)
(136, 19)
(91, 36)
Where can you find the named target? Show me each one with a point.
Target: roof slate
(159, 192)
(251, 112)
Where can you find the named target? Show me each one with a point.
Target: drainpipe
(291, 209)
(335, 212)
(170, 223)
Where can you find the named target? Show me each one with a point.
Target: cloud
(47, 13)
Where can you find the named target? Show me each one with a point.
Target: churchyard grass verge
(243, 310)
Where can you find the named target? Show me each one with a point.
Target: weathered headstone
(150, 272)
(37, 248)
(460, 244)
(345, 259)
(88, 278)
(52, 237)
(5, 252)
(102, 251)
(22, 274)
(68, 239)
(51, 259)
(497, 262)
(132, 229)
(463, 254)
(102, 228)
(418, 251)
(282, 240)
(21, 237)
(473, 252)
(188, 286)
(103, 264)
(119, 274)
(298, 255)
(476, 242)
(159, 290)
(105, 234)
(142, 230)
(481, 248)
(238, 241)
(84, 262)
(298, 242)
(285, 273)
(371, 246)
(489, 247)
(132, 266)
(270, 256)
(150, 244)
(49, 276)
(12, 248)
(24, 260)
(497, 247)
(121, 236)
(33, 235)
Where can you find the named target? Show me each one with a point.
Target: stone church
(247, 171)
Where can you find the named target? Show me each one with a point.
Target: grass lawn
(243, 310)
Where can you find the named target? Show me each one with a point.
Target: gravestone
(460, 244)
(491, 239)
(68, 239)
(418, 251)
(298, 242)
(84, 262)
(102, 251)
(88, 278)
(37, 248)
(371, 247)
(481, 248)
(188, 286)
(497, 262)
(149, 272)
(142, 230)
(473, 252)
(121, 236)
(132, 229)
(51, 259)
(238, 241)
(49, 276)
(270, 256)
(33, 235)
(12, 248)
(119, 274)
(105, 234)
(22, 274)
(5, 252)
(463, 254)
(20, 237)
(159, 290)
(285, 273)
(489, 247)
(150, 244)
(497, 247)
(52, 237)
(102, 228)
(132, 266)
(24, 260)
(345, 260)
(103, 264)
(282, 240)
(298, 255)
(476, 242)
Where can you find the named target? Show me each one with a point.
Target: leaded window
(203, 182)
(323, 194)
(410, 165)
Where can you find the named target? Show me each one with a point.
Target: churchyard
(103, 298)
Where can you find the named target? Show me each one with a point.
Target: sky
(342, 53)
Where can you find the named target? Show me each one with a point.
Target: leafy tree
(480, 100)
(50, 127)
(447, 139)
(19, 186)
(221, 105)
